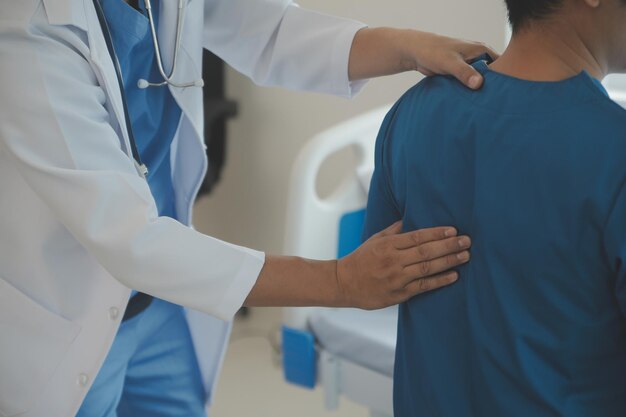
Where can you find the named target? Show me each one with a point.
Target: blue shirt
(535, 173)
(154, 113)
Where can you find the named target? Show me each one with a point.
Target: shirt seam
(383, 159)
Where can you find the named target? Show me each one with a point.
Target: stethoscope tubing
(167, 78)
(142, 83)
(118, 71)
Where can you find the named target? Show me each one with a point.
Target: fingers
(435, 249)
(428, 284)
(419, 237)
(479, 49)
(418, 271)
(467, 74)
(464, 72)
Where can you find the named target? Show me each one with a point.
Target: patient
(533, 168)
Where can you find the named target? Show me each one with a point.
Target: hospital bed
(349, 352)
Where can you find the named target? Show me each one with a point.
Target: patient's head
(599, 24)
(524, 12)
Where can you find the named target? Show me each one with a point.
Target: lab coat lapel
(82, 14)
(105, 71)
(66, 12)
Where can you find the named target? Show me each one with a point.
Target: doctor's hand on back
(387, 269)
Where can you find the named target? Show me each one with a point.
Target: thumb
(468, 75)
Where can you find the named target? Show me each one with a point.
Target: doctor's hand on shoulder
(387, 269)
(385, 51)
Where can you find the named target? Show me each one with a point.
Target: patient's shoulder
(612, 112)
(609, 119)
(439, 85)
(429, 101)
(428, 95)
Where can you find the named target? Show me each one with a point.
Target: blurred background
(248, 205)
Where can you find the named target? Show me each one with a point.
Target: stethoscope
(142, 83)
(167, 79)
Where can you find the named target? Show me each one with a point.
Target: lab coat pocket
(33, 342)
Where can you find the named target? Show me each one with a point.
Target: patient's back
(535, 174)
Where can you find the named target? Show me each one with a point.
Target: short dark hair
(521, 12)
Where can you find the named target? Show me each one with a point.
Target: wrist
(405, 42)
(382, 51)
(342, 299)
(295, 281)
(344, 283)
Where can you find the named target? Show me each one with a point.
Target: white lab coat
(78, 225)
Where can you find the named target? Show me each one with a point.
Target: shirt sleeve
(57, 132)
(278, 43)
(382, 209)
(615, 244)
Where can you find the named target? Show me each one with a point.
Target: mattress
(367, 338)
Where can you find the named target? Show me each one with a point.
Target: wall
(248, 207)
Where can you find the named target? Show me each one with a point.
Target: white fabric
(78, 225)
(367, 338)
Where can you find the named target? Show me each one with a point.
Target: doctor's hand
(390, 267)
(385, 51)
(387, 269)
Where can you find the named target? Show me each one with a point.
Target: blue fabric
(153, 111)
(350, 228)
(299, 357)
(151, 369)
(535, 173)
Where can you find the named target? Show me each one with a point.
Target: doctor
(99, 168)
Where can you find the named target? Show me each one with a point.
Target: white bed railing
(312, 231)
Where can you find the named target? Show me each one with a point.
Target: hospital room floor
(252, 384)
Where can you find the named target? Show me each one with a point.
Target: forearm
(292, 47)
(379, 51)
(292, 281)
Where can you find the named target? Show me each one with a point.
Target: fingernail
(474, 81)
(464, 242)
(463, 256)
(450, 232)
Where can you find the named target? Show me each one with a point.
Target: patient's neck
(549, 52)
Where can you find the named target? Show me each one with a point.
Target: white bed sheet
(367, 338)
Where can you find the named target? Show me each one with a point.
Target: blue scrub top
(535, 173)
(154, 113)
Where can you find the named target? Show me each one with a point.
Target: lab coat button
(114, 313)
(83, 380)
